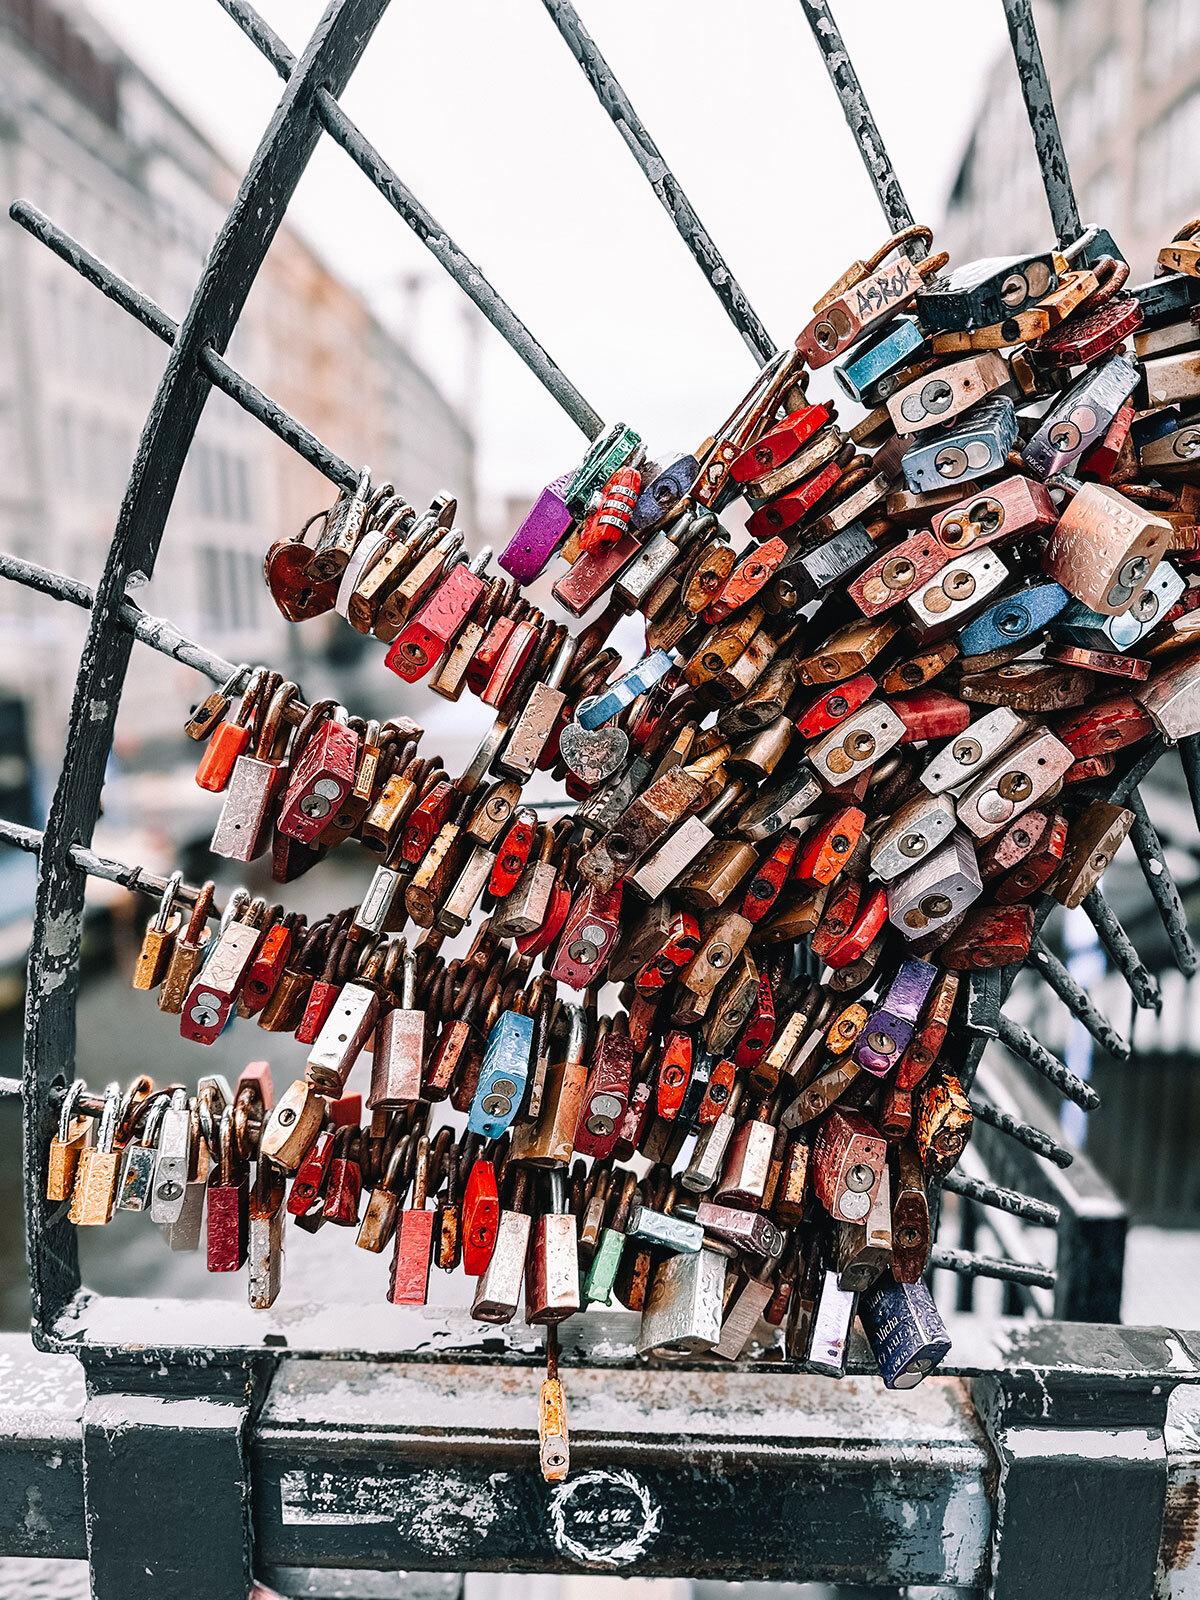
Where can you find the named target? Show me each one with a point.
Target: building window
(212, 607)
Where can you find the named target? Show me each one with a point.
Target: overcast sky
(480, 108)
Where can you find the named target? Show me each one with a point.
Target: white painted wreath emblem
(603, 1518)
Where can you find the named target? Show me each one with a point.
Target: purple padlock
(539, 536)
(891, 1025)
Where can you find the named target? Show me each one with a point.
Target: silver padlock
(909, 835)
(969, 752)
(498, 1291)
(683, 1304)
(936, 890)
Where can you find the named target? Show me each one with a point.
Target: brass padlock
(95, 1190)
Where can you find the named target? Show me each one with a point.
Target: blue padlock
(664, 492)
(977, 444)
(503, 1076)
(1013, 618)
(598, 709)
(865, 377)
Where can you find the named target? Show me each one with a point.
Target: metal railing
(143, 1452)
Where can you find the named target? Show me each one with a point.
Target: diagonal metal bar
(1078, 1002)
(970, 1265)
(340, 37)
(466, 274)
(140, 880)
(157, 632)
(662, 180)
(1001, 1199)
(1163, 891)
(215, 367)
(1032, 1138)
(1039, 105)
(859, 119)
(1142, 983)
(1034, 1053)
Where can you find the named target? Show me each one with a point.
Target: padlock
(863, 1254)
(1011, 508)
(828, 1333)
(503, 1075)
(264, 1248)
(1105, 548)
(413, 1246)
(977, 443)
(610, 1246)
(1024, 774)
(848, 1159)
(552, 1262)
(187, 952)
(135, 1185)
(95, 1189)
(972, 750)
(68, 1144)
(292, 1126)
(158, 941)
(846, 317)
(480, 1217)
(1172, 697)
(938, 397)
(1093, 839)
(498, 1292)
(943, 1124)
(671, 859)
(549, 1139)
(897, 573)
(606, 1095)
(421, 642)
(229, 739)
(910, 1218)
(911, 833)
(873, 372)
(747, 1166)
(254, 787)
(980, 293)
(378, 1224)
(320, 777)
(588, 936)
(748, 1231)
(856, 744)
(891, 1024)
(907, 1336)
(936, 891)
(1080, 416)
(228, 1202)
(683, 1305)
(348, 1025)
(209, 1003)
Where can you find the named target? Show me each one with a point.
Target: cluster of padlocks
(861, 738)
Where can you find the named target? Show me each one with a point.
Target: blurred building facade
(1126, 81)
(89, 139)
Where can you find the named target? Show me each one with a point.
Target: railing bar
(1163, 889)
(1032, 1138)
(339, 38)
(1140, 767)
(215, 367)
(469, 277)
(1047, 136)
(1001, 1199)
(662, 180)
(1080, 1004)
(138, 879)
(970, 1265)
(157, 632)
(1142, 983)
(1033, 1052)
(859, 119)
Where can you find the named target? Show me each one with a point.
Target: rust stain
(1181, 1524)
